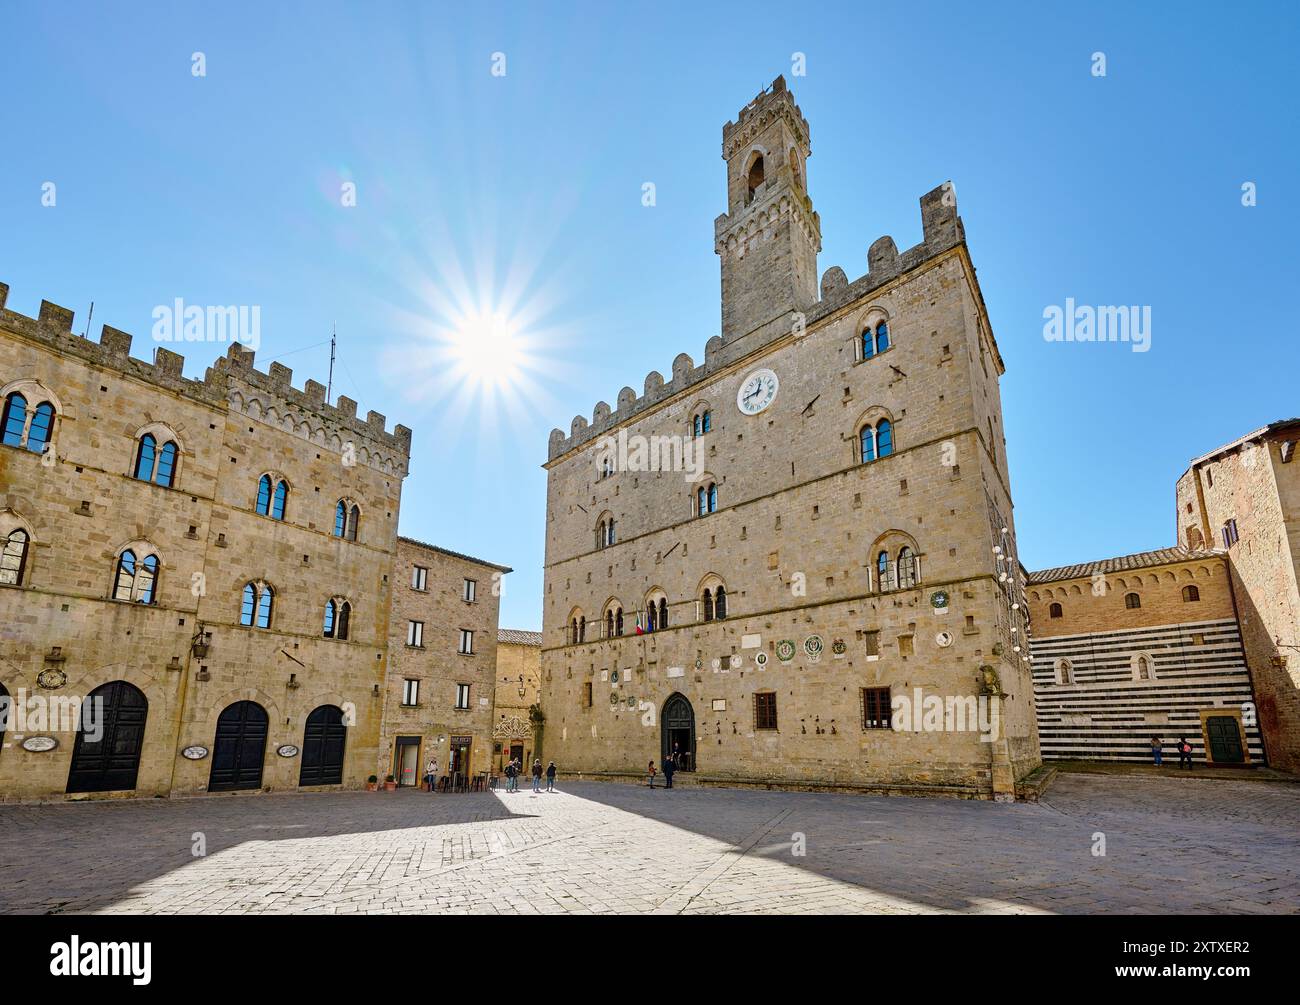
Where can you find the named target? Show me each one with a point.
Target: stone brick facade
(450, 718)
(519, 656)
(1142, 646)
(781, 690)
(204, 690)
(1244, 498)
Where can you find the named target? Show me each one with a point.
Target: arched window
(582, 629)
(663, 612)
(340, 518)
(882, 571)
(271, 496)
(884, 438)
(13, 560)
(338, 613)
(136, 579)
(145, 456)
(697, 427)
(1191, 594)
(876, 441)
(166, 465)
(755, 178)
(1132, 601)
(573, 631)
(15, 420)
(354, 522)
(720, 603)
(882, 337)
(1142, 667)
(708, 420)
(38, 434)
(708, 605)
(618, 621)
(609, 623)
(1054, 611)
(907, 572)
(651, 616)
(706, 499)
(255, 606)
(868, 343)
(277, 502)
(1064, 672)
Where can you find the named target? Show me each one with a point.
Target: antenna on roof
(86, 333)
(330, 385)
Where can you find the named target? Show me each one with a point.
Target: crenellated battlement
(941, 232)
(231, 382)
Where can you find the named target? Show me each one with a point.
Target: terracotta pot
(371, 786)
(390, 786)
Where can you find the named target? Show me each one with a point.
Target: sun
(486, 349)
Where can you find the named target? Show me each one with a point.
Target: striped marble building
(1141, 646)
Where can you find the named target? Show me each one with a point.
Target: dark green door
(240, 748)
(1225, 739)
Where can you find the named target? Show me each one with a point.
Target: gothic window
(1054, 611)
(907, 571)
(13, 559)
(720, 603)
(255, 605)
(27, 422)
(1132, 601)
(271, 497)
(882, 571)
(708, 420)
(15, 420)
(882, 337)
(338, 615)
(868, 343)
(651, 617)
(706, 499)
(755, 179)
(331, 615)
(1191, 594)
(347, 517)
(1064, 672)
(154, 463)
(708, 605)
(136, 578)
(618, 621)
(698, 426)
(876, 441)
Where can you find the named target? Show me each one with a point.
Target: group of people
(515, 768)
(1184, 752)
(669, 765)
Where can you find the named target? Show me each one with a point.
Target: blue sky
(520, 195)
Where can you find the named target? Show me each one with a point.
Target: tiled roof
(454, 554)
(1272, 427)
(513, 636)
(1142, 560)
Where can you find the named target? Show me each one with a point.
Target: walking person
(537, 774)
(1156, 748)
(509, 772)
(650, 774)
(1184, 753)
(550, 777)
(514, 774)
(669, 768)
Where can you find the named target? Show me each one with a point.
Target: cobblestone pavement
(1171, 846)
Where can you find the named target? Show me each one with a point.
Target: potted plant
(372, 783)
(390, 783)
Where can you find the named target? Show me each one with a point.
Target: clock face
(757, 391)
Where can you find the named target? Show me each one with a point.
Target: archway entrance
(106, 756)
(678, 731)
(240, 748)
(323, 740)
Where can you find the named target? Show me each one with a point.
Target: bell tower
(769, 237)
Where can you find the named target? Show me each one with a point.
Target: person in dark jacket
(669, 768)
(1184, 753)
(537, 774)
(550, 777)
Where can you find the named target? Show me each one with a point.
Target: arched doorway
(106, 756)
(240, 748)
(678, 731)
(323, 741)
